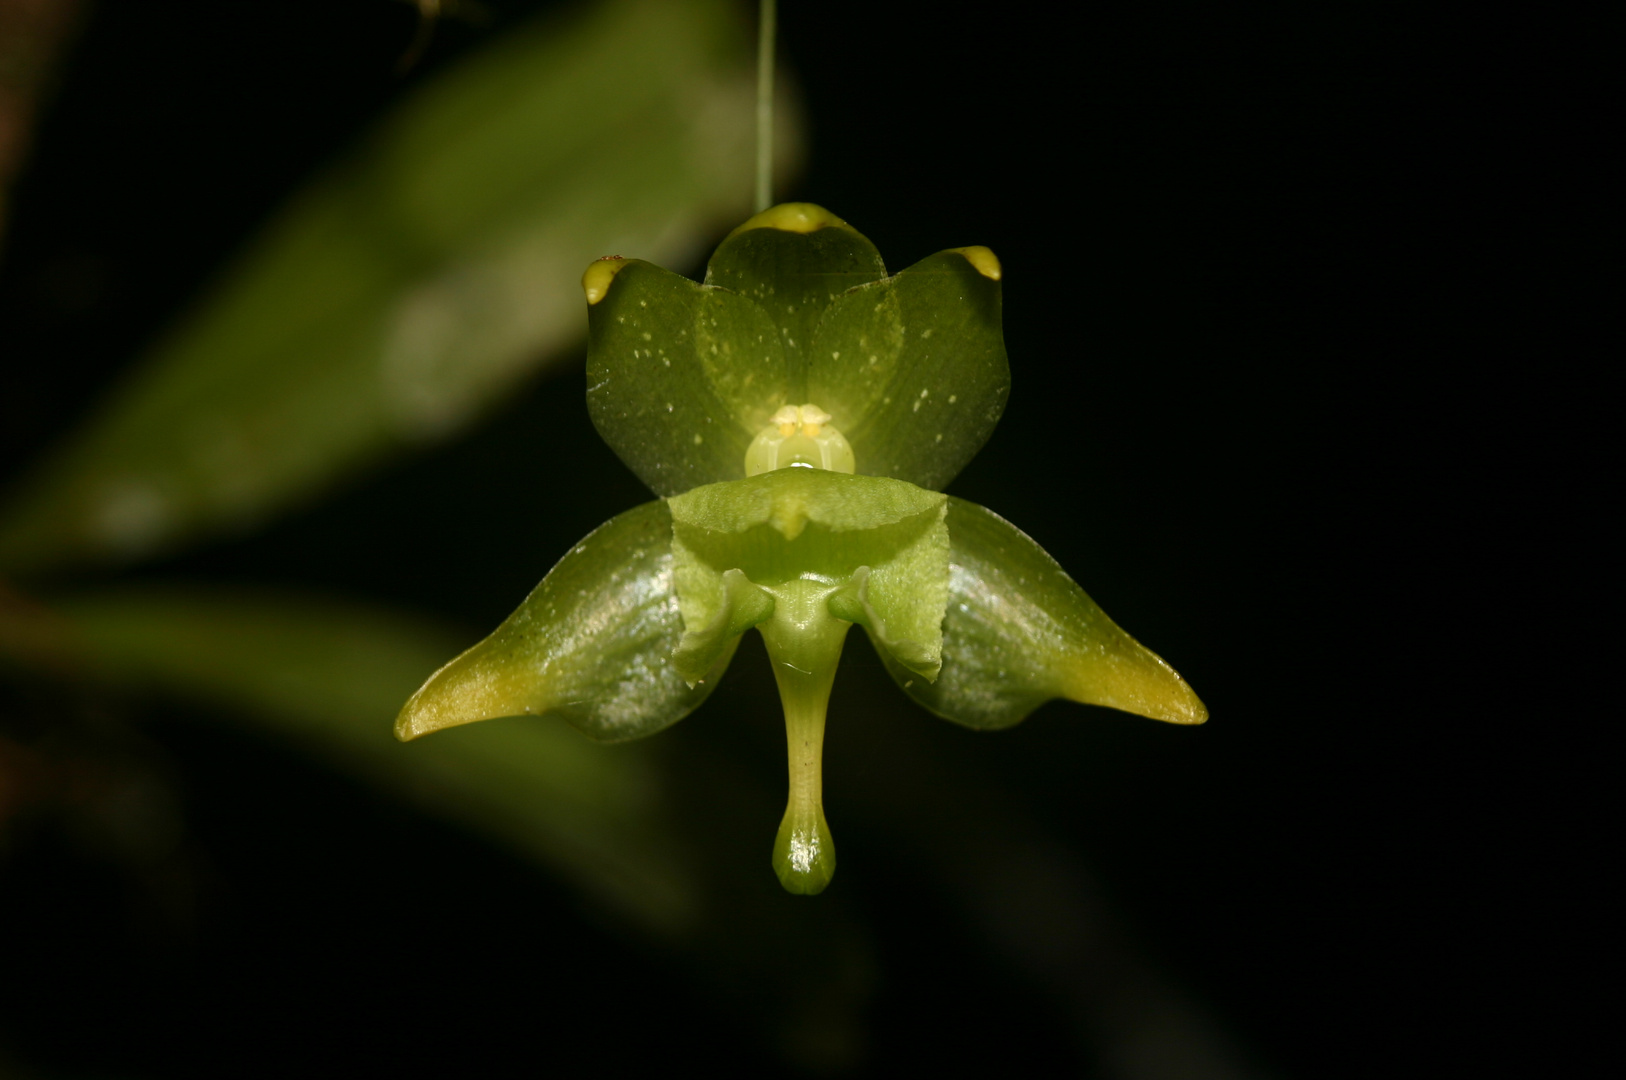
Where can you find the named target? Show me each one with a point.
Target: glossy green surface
(913, 369)
(326, 676)
(879, 545)
(1020, 632)
(796, 276)
(796, 310)
(681, 377)
(591, 645)
(804, 645)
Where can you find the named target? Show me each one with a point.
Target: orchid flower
(798, 414)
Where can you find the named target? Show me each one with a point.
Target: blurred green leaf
(417, 282)
(330, 676)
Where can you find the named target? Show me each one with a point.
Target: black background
(1267, 409)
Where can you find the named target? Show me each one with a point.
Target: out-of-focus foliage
(387, 304)
(328, 675)
(422, 278)
(31, 36)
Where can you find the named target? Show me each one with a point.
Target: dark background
(1254, 263)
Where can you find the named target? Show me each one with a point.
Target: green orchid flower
(798, 413)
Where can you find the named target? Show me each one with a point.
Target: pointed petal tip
(1168, 697)
(456, 694)
(1186, 709)
(405, 729)
(414, 720)
(426, 712)
(1141, 683)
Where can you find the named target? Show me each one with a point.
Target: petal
(591, 644)
(680, 377)
(912, 369)
(1019, 631)
(796, 310)
(795, 259)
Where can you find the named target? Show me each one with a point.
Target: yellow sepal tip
(985, 261)
(796, 217)
(598, 275)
